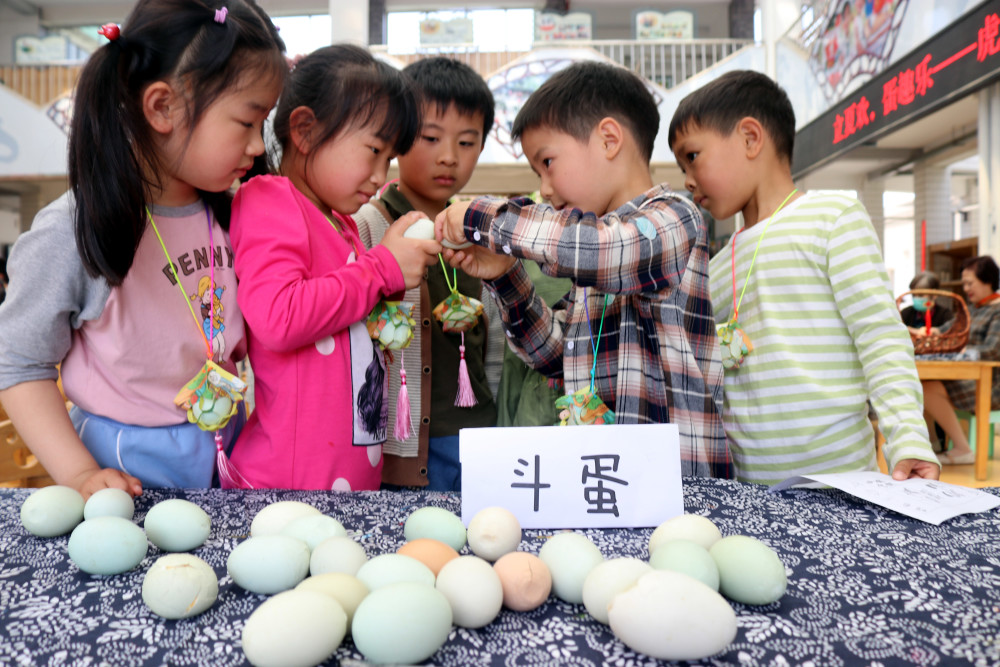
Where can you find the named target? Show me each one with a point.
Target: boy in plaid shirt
(637, 326)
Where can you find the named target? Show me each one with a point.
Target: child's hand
(909, 468)
(450, 224)
(91, 482)
(479, 262)
(412, 254)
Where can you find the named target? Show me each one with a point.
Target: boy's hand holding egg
(413, 251)
(449, 226)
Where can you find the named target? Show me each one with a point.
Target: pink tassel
(404, 423)
(466, 398)
(229, 476)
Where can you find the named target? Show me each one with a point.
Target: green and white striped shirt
(827, 338)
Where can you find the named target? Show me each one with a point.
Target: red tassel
(229, 476)
(404, 423)
(466, 398)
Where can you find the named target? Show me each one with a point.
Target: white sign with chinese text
(620, 476)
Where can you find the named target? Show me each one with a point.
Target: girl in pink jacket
(307, 284)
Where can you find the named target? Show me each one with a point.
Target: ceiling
(947, 136)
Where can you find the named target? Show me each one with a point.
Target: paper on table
(924, 499)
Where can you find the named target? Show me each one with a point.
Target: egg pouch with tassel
(391, 324)
(211, 397)
(457, 314)
(583, 407)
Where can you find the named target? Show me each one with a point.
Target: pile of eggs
(400, 607)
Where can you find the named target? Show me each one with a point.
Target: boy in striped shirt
(637, 324)
(801, 297)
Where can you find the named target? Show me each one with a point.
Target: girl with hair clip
(167, 116)
(306, 282)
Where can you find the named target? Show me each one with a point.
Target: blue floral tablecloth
(866, 586)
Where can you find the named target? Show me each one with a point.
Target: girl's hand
(413, 255)
(92, 481)
(479, 262)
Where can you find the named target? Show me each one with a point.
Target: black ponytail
(113, 164)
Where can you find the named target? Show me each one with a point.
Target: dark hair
(721, 104)
(925, 280)
(346, 87)
(443, 82)
(113, 162)
(985, 270)
(575, 99)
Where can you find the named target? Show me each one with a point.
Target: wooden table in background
(982, 373)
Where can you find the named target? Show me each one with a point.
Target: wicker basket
(957, 335)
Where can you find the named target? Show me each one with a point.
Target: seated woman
(980, 280)
(915, 316)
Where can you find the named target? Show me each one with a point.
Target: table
(982, 373)
(866, 587)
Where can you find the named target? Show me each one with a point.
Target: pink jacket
(320, 387)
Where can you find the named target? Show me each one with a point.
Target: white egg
(570, 557)
(314, 529)
(670, 616)
(421, 229)
(493, 532)
(107, 545)
(179, 586)
(393, 569)
(293, 629)
(177, 525)
(343, 588)
(473, 590)
(608, 579)
(269, 564)
(109, 502)
(694, 527)
(687, 557)
(403, 623)
(749, 571)
(436, 524)
(337, 554)
(272, 519)
(52, 510)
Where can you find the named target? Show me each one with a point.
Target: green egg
(749, 571)
(436, 524)
(688, 558)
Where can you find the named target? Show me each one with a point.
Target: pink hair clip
(220, 15)
(110, 30)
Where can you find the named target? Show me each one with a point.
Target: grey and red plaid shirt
(657, 351)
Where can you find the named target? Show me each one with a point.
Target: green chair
(971, 418)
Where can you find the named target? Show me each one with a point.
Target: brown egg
(526, 580)
(432, 553)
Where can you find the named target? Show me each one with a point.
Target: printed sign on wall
(651, 24)
(553, 27)
(455, 31)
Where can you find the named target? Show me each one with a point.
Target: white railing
(666, 62)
